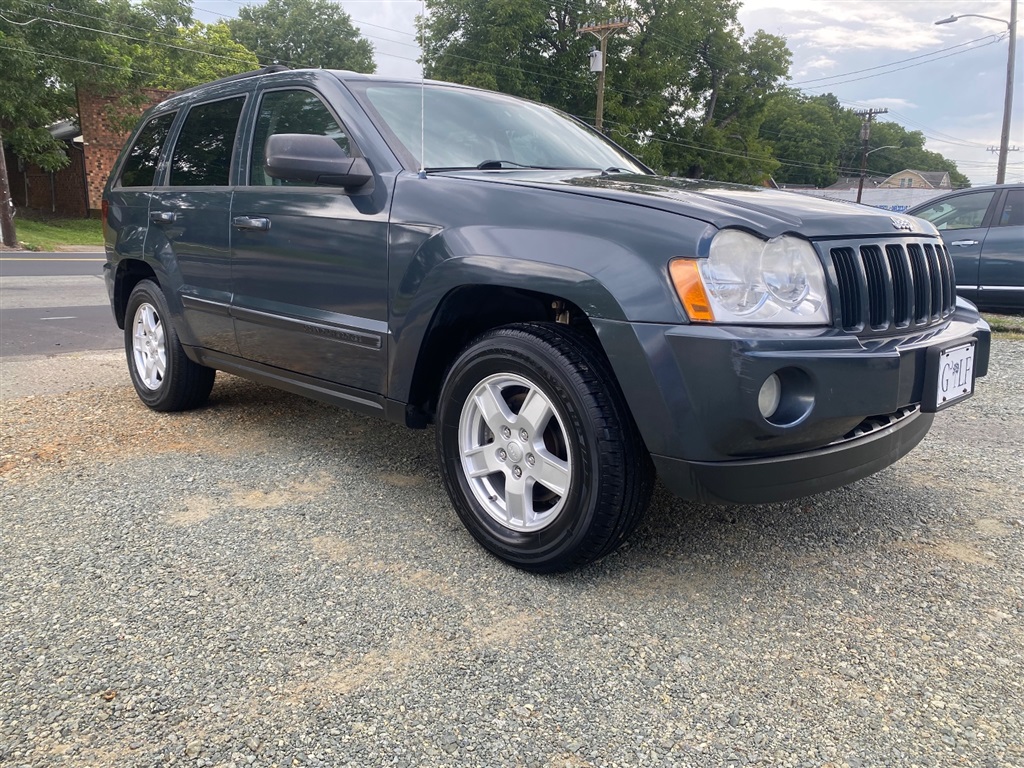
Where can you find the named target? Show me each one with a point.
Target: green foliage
(110, 46)
(180, 66)
(303, 33)
(680, 78)
(685, 90)
(818, 141)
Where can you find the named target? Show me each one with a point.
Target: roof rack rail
(241, 76)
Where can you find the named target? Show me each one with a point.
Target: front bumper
(693, 393)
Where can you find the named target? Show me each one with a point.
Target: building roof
(934, 179)
(852, 182)
(65, 130)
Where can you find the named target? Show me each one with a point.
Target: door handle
(964, 243)
(258, 223)
(162, 217)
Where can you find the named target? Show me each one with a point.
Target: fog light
(769, 396)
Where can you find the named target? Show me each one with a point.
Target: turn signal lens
(688, 285)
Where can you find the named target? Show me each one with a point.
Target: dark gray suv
(571, 323)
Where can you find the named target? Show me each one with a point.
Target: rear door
(962, 220)
(190, 221)
(1002, 258)
(310, 262)
(128, 198)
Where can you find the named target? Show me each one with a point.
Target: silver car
(983, 229)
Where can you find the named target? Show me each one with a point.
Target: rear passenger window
(139, 168)
(290, 112)
(202, 154)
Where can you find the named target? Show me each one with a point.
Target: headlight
(748, 280)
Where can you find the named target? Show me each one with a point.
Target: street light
(864, 168)
(1011, 25)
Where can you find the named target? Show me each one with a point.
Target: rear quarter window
(141, 162)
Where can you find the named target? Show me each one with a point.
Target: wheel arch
(130, 272)
(464, 313)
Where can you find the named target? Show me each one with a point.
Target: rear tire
(164, 378)
(538, 450)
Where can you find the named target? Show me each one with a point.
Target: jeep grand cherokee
(571, 323)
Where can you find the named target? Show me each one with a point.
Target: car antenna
(423, 115)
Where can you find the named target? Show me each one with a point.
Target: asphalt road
(52, 303)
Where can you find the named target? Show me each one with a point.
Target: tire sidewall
(146, 292)
(497, 355)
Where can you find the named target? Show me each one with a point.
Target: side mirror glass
(315, 160)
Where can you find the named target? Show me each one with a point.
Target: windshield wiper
(497, 165)
(494, 165)
(489, 165)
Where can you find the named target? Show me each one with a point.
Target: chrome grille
(892, 285)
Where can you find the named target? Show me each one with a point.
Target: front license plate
(955, 375)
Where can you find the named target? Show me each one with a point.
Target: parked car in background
(983, 230)
(570, 322)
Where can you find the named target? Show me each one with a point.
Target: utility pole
(6, 220)
(867, 116)
(1004, 137)
(602, 31)
(1002, 150)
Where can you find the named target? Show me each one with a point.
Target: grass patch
(51, 234)
(1006, 326)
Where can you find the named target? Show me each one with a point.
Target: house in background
(897, 193)
(92, 144)
(910, 179)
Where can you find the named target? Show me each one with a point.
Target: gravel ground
(271, 582)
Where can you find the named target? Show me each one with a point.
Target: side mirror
(314, 159)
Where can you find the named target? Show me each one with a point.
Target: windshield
(465, 128)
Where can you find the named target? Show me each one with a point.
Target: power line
(82, 61)
(892, 63)
(996, 39)
(136, 39)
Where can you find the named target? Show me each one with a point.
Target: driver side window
(294, 111)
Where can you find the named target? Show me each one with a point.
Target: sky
(956, 101)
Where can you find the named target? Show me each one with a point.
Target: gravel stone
(271, 582)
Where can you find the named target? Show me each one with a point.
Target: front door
(309, 262)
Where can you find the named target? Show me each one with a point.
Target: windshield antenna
(423, 69)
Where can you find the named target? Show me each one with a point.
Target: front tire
(164, 378)
(538, 450)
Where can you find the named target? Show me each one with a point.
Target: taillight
(104, 207)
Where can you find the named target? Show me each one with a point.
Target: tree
(29, 101)
(807, 137)
(307, 33)
(109, 46)
(818, 140)
(908, 152)
(680, 79)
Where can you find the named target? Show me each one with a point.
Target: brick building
(101, 119)
(92, 145)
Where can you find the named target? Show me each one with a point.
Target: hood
(769, 212)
